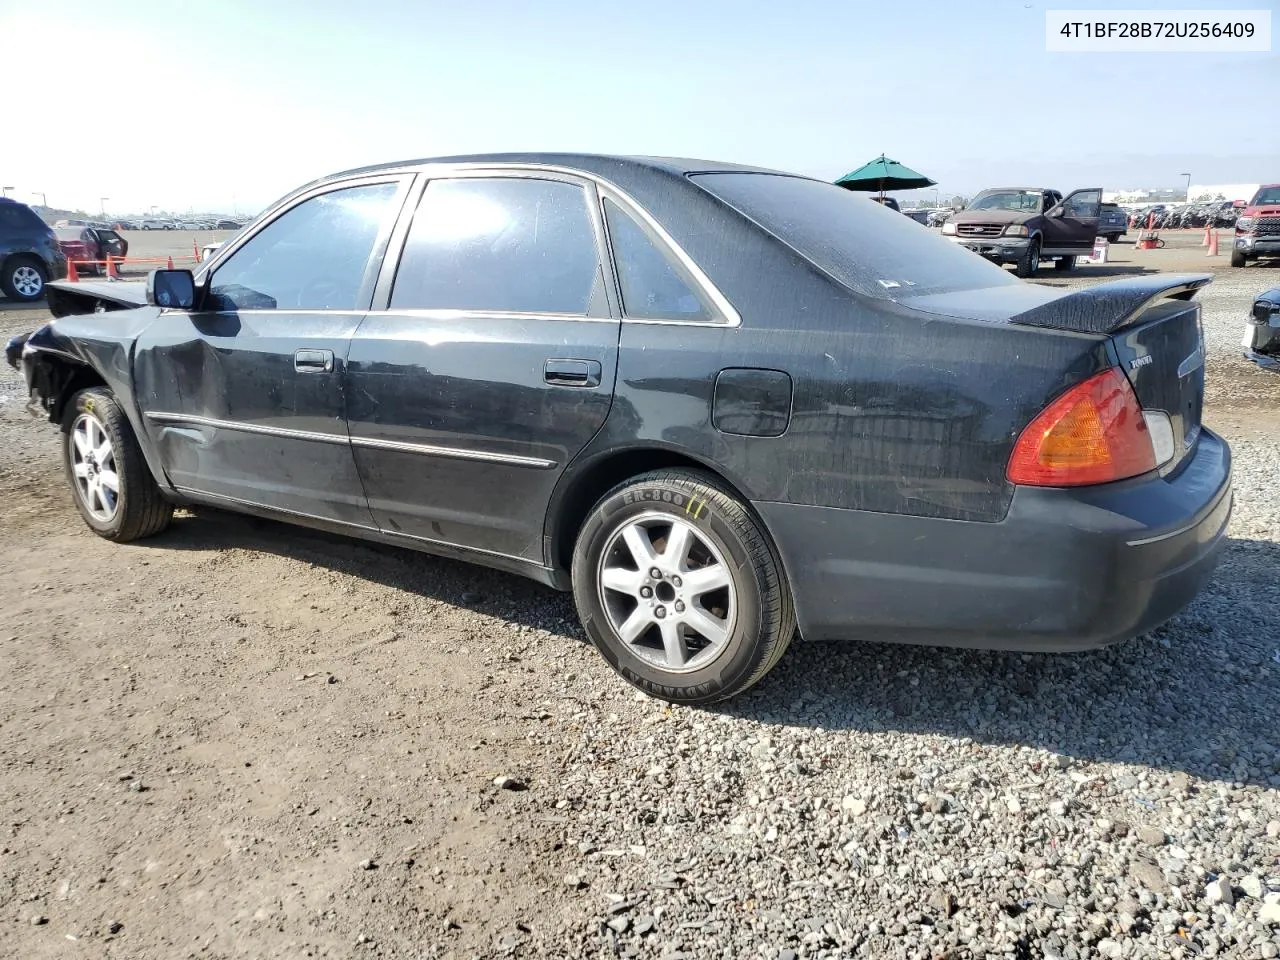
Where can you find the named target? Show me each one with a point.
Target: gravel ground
(245, 739)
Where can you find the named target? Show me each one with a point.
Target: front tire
(1030, 261)
(23, 279)
(110, 481)
(1238, 259)
(680, 589)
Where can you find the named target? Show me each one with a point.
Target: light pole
(935, 197)
(6, 190)
(44, 201)
(1188, 191)
(102, 206)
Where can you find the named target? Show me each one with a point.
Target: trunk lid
(1152, 322)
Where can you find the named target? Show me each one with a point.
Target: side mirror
(175, 289)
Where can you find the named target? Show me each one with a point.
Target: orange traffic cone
(195, 249)
(72, 276)
(169, 265)
(112, 272)
(1213, 244)
(1207, 230)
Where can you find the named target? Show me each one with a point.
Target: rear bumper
(1065, 570)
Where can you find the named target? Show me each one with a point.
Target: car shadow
(1207, 684)
(1211, 680)
(511, 597)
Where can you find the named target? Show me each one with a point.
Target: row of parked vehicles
(159, 223)
(1217, 213)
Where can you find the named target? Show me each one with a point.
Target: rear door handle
(313, 361)
(572, 373)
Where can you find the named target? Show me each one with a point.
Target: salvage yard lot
(247, 739)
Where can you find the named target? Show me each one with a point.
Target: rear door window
(500, 244)
(653, 285)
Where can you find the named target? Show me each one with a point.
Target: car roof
(586, 162)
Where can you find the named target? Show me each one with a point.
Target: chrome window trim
(449, 315)
(286, 433)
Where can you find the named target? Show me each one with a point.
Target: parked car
(1112, 223)
(29, 252)
(717, 403)
(1258, 227)
(108, 242)
(70, 223)
(1024, 225)
(155, 223)
(1262, 331)
(78, 246)
(918, 215)
(228, 224)
(889, 202)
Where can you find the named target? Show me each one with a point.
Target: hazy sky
(205, 104)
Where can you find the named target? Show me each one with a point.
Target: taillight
(1093, 433)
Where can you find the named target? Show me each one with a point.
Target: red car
(1258, 227)
(78, 247)
(90, 244)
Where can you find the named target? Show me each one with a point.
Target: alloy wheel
(667, 591)
(93, 464)
(27, 281)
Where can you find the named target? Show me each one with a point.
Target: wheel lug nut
(660, 612)
(646, 592)
(679, 606)
(655, 573)
(675, 581)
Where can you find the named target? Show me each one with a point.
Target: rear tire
(1062, 264)
(1238, 259)
(1030, 261)
(110, 482)
(23, 279)
(718, 616)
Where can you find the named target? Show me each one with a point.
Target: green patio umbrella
(883, 174)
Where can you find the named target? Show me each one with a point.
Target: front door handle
(313, 361)
(572, 373)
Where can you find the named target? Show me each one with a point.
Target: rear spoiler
(1108, 307)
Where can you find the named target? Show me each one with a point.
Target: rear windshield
(870, 248)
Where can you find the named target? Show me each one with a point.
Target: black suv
(29, 252)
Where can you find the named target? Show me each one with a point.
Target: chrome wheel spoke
(621, 579)
(637, 540)
(676, 552)
(712, 630)
(673, 644)
(103, 452)
(80, 469)
(631, 629)
(706, 579)
(81, 440)
(109, 480)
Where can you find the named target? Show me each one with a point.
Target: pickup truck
(1258, 227)
(1024, 225)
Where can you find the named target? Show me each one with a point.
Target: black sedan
(718, 403)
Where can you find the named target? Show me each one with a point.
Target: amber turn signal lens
(1093, 433)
